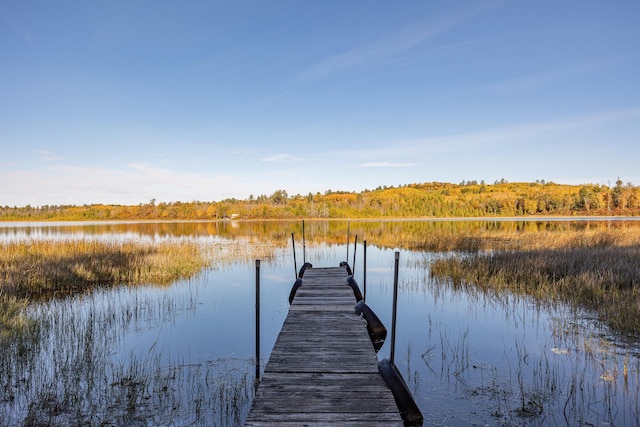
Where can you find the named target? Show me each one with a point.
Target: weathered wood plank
(323, 368)
(323, 419)
(354, 382)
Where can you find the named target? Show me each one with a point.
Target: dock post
(364, 271)
(355, 243)
(295, 264)
(327, 378)
(348, 239)
(395, 307)
(257, 380)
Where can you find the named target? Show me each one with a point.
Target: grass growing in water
(12, 318)
(64, 368)
(596, 270)
(469, 240)
(64, 371)
(37, 270)
(41, 268)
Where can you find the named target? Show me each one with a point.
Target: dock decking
(323, 369)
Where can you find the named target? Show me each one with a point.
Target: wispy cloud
(135, 183)
(529, 82)
(48, 156)
(388, 47)
(386, 165)
(526, 130)
(415, 148)
(17, 27)
(282, 158)
(243, 152)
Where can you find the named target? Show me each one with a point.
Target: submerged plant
(58, 363)
(603, 279)
(38, 269)
(68, 374)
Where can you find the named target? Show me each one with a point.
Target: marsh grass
(66, 370)
(12, 318)
(469, 240)
(573, 378)
(67, 306)
(40, 269)
(599, 271)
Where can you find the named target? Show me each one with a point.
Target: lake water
(184, 354)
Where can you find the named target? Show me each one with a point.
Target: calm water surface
(184, 354)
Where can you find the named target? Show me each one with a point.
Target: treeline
(435, 199)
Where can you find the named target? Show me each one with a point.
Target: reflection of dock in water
(323, 369)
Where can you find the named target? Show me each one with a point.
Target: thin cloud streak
(20, 30)
(532, 81)
(138, 182)
(48, 156)
(386, 165)
(514, 134)
(282, 158)
(383, 49)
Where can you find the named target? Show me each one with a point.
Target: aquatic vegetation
(64, 370)
(135, 353)
(605, 279)
(38, 269)
(56, 365)
(569, 374)
(505, 239)
(12, 317)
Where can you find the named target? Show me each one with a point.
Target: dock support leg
(257, 380)
(395, 307)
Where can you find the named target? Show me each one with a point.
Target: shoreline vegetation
(578, 264)
(597, 270)
(588, 265)
(56, 364)
(37, 270)
(426, 200)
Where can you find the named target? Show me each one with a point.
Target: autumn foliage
(430, 199)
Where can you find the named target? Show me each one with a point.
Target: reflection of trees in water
(433, 235)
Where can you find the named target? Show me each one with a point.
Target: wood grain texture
(323, 369)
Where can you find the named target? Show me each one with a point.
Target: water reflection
(469, 357)
(482, 358)
(279, 232)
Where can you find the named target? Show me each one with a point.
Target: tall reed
(599, 271)
(470, 240)
(39, 268)
(12, 318)
(66, 370)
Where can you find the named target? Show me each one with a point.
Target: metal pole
(304, 248)
(348, 238)
(395, 307)
(355, 243)
(295, 264)
(364, 272)
(257, 323)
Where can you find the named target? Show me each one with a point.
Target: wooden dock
(323, 369)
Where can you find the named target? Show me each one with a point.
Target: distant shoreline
(371, 219)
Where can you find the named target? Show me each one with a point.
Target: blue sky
(128, 101)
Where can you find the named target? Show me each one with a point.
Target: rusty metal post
(364, 272)
(295, 264)
(304, 248)
(257, 380)
(395, 307)
(348, 239)
(355, 243)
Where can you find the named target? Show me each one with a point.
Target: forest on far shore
(429, 199)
